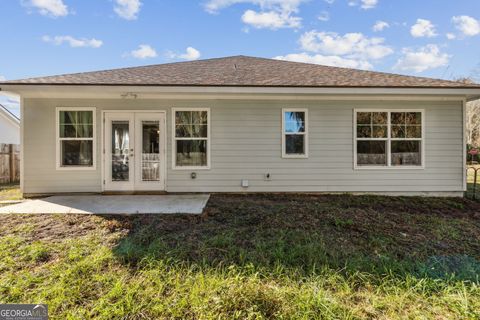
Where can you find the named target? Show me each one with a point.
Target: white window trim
(58, 139)
(284, 153)
(389, 140)
(174, 139)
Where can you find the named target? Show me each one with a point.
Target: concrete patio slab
(113, 204)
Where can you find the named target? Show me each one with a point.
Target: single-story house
(9, 127)
(242, 124)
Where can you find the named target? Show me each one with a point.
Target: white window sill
(295, 156)
(190, 168)
(76, 168)
(389, 168)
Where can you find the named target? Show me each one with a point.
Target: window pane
(85, 117)
(413, 118)
(371, 153)
(183, 117)
(191, 124)
(191, 153)
(84, 131)
(68, 131)
(67, 117)
(379, 117)
(380, 132)
(184, 131)
(398, 131)
(414, 132)
(364, 117)
(199, 131)
(398, 118)
(77, 153)
(76, 124)
(199, 117)
(364, 131)
(406, 153)
(295, 144)
(294, 122)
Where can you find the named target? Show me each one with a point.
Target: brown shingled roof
(243, 71)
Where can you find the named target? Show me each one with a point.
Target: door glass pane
(120, 150)
(150, 151)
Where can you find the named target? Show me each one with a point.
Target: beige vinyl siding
(246, 144)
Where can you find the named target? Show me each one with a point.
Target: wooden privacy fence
(9, 163)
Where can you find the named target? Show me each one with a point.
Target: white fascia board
(151, 92)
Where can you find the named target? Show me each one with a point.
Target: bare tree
(473, 118)
(473, 123)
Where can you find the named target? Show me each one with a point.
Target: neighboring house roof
(9, 115)
(243, 71)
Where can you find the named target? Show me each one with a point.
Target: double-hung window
(294, 133)
(389, 138)
(191, 138)
(75, 138)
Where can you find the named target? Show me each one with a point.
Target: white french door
(134, 149)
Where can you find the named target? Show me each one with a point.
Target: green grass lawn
(252, 257)
(10, 192)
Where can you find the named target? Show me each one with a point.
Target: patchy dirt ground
(400, 227)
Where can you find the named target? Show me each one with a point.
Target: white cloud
(213, 6)
(324, 16)
(369, 4)
(190, 54)
(425, 58)
(271, 20)
(127, 9)
(450, 36)
(144, 51)
(364, 4)
(467, 25)
(74, 42)
(352, 45)
(334, 61)
(329, 1)
(423, 28)
(273, 14)
(380, 26)
(352, 50)
(52, 8)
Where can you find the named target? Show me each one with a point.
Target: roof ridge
(252, 71)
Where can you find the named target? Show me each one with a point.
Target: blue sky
(434, 38)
